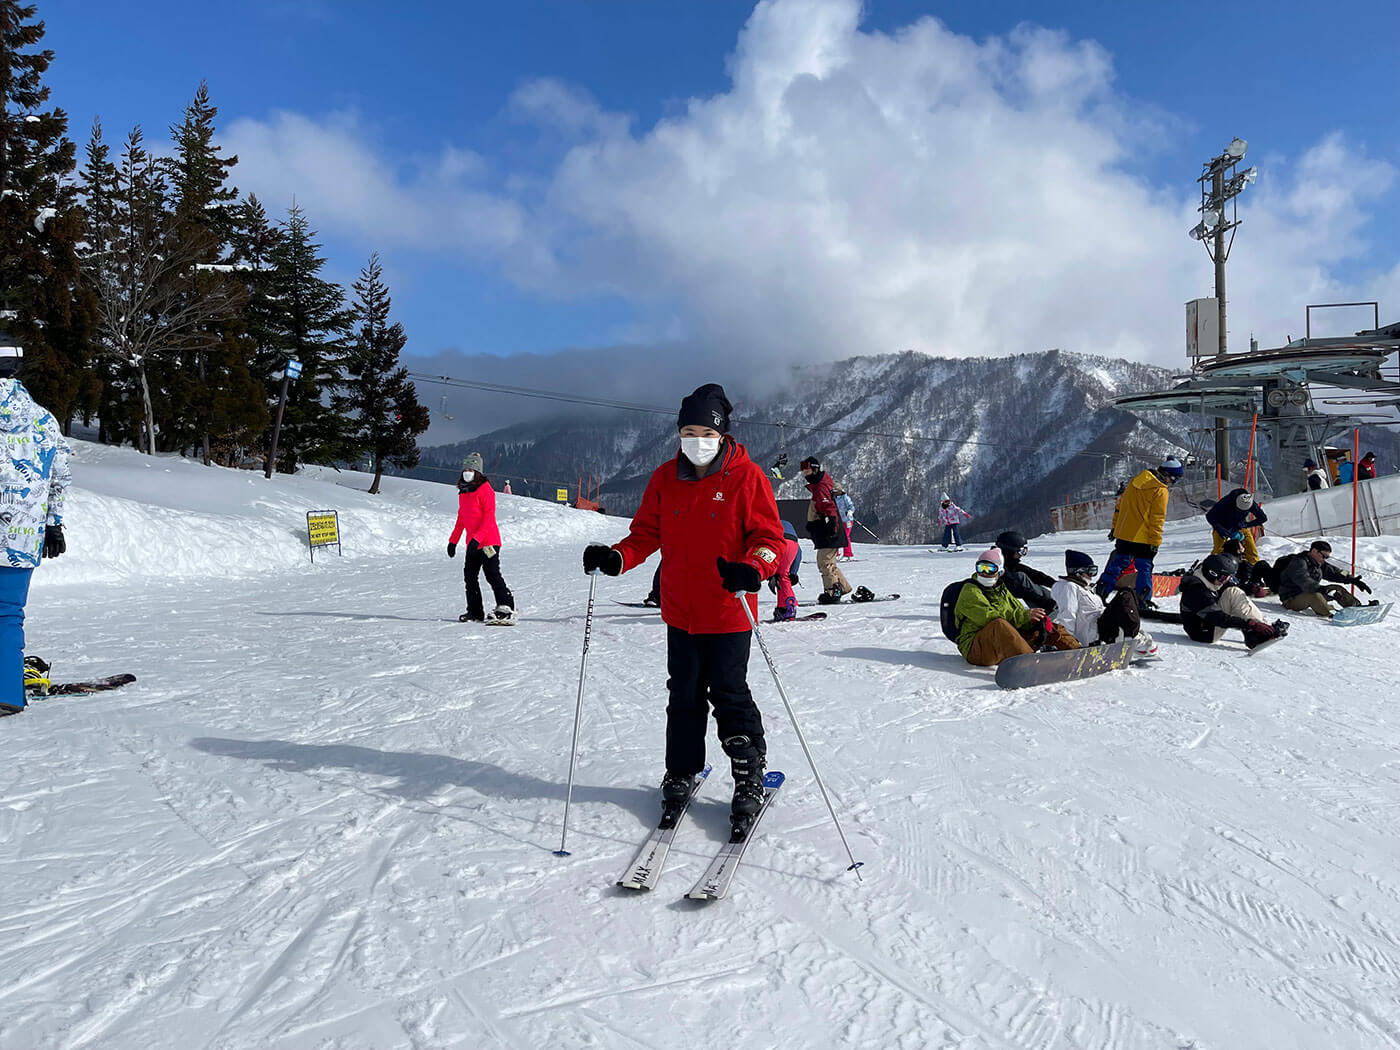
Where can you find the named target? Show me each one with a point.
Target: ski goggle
(989, 569)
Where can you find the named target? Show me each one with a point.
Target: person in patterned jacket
(710, 511)
(949, 515)
(36, 477)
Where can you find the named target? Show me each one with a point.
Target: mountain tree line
(152, 297)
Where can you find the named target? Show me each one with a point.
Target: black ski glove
(599, 557)
(54, 544)
(792, 578)
(738, 575)
(451, 550)
(1356, 581)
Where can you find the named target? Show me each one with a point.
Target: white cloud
(857, 192)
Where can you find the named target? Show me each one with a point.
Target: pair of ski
(645, 870)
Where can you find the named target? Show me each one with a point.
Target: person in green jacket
(993, 624)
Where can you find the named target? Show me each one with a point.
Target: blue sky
(548, 175)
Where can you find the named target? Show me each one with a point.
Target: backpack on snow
(1275, 573)
(949, 602)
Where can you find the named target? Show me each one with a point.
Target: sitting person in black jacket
(1300, 585)
(1212, 603)
(1030, 585)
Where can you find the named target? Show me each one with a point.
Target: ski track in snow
(324, 816)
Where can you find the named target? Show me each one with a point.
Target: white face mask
(987, 581)
(700, 451)
(468, 476)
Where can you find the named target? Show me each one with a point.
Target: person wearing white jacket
(1084, 614)
(35, 477)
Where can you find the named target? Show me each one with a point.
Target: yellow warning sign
(561, 495)
(323, 530)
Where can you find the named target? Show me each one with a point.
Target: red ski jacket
(730, 513)
(476, 517)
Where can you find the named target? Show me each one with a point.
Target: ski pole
(773, 670)
(578, 713)
(866, 527)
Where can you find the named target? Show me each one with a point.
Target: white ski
(714, 884)
(645, 869)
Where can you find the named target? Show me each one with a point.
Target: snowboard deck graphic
(1360, 615)
(1164, 586)
(96, 685)
(877, 598)
(1067, 665)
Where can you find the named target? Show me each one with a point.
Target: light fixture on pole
(1220, 185)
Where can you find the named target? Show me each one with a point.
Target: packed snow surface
(325, 815)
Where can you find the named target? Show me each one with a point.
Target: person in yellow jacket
(1137, 529)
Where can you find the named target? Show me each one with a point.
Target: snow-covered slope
(324, 816)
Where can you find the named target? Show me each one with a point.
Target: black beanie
(706, 407)
(1078, 561)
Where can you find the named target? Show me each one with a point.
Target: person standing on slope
(1212, 603)
(949, 514)
(1137, 529)
(711, 513)
(476, 520)
(1084, 613)
(992, 623)
(846, 510)
(824, 526)
(36, 478)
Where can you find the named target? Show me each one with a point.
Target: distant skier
(824, 526)
(36, 479)
(784, 580)
(1316, 476)
(1030, 585)
(1300, 579)
(505, 489)
(1137, 529)
(846, 511)
(1366, 469)
(476, 520)
(1084, 613)
(949, 514)
(711, 513)
(1212, 603)
(992, 623)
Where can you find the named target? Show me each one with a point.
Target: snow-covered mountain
(1007, 438)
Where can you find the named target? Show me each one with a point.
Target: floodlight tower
(1221, 183)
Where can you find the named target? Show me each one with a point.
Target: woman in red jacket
(476, 519)
(711, 513)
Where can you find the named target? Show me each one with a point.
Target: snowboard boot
(469, 617)
(831, 596)
(862, 594)
(36, 677)
(502, 616)
(746, 764)
(1146, 646)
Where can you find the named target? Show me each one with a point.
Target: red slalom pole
(1355, 453)
(1217, 481)
(1249, 460)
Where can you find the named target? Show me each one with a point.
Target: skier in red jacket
(711, 513)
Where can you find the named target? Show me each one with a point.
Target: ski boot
(36, 676)
(501, 616)
(862, 594)
(676, 790)
(746, 764)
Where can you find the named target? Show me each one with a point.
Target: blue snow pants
(1118, 563)
(950, 532)
(14, 592)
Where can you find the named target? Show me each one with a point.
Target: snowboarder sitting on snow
(476, 519)
(824, 526)
(1300, 585)
(36, 480)
(1137, 529)
(1030, 585)
(992, 623)
(784, 580)
(1212, 603)
(711, 513)
(1084, 613)
(1231, 518)
(949, 514)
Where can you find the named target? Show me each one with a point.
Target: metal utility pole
(290, 371)
(1216, 193)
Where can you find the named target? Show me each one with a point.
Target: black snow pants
(1121, 618)
(707, 670)
(476, 562)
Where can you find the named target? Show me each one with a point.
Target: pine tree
(209, 384)
(43, 300)
(310, 324)
(387, 415)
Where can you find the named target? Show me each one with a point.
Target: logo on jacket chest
(718, 496)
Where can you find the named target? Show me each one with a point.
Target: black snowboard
(636, 605)
(877, 598)
(1066, 665)
(100, 685)
(1160, 615)
(804, 616)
